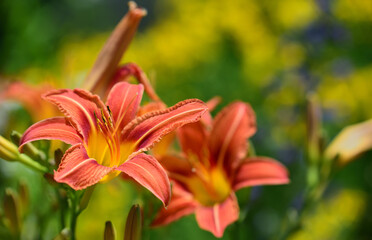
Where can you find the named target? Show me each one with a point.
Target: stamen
(110, 117)
(109, 110)
(103, 117)
(95, 116)
(106, 133)
(109, 132)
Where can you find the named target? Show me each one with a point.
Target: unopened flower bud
(133, 227)
(24, 196)
(8, 151)
(28, 148)
(107, 61)
(11, 211)
(58, 154)
(110, 233)
(15, 137)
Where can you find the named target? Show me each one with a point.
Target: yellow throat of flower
(210, 188)
(104, 145)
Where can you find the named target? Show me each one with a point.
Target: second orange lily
(213, 166)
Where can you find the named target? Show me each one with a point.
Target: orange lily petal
(78, 170)
(124, 100)
(132, 69)
(80, 107)
(232, 127)
(150, 107)
(174, 164)
(216, 218)
(182, 204)
(146, 130)
(51, 129)
(148, 172)
(164, 146)
(213, 102)
(260, 171)
(193, 139)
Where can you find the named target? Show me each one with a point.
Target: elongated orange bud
(108, 59)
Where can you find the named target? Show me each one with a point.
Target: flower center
(104, 144)
(213, 187)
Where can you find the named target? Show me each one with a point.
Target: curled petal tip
(133, 7)
(213, 102)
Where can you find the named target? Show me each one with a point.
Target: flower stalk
(319, 170)
(78, 202)
(9, 152)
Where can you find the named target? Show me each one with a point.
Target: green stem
(73, 220)
(78, 203)
(62, 205)
(234, 230)
(31, 163)
(312, 197)
(73, 226)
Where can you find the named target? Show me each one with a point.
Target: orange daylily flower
(108, 139)
(213, 166)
